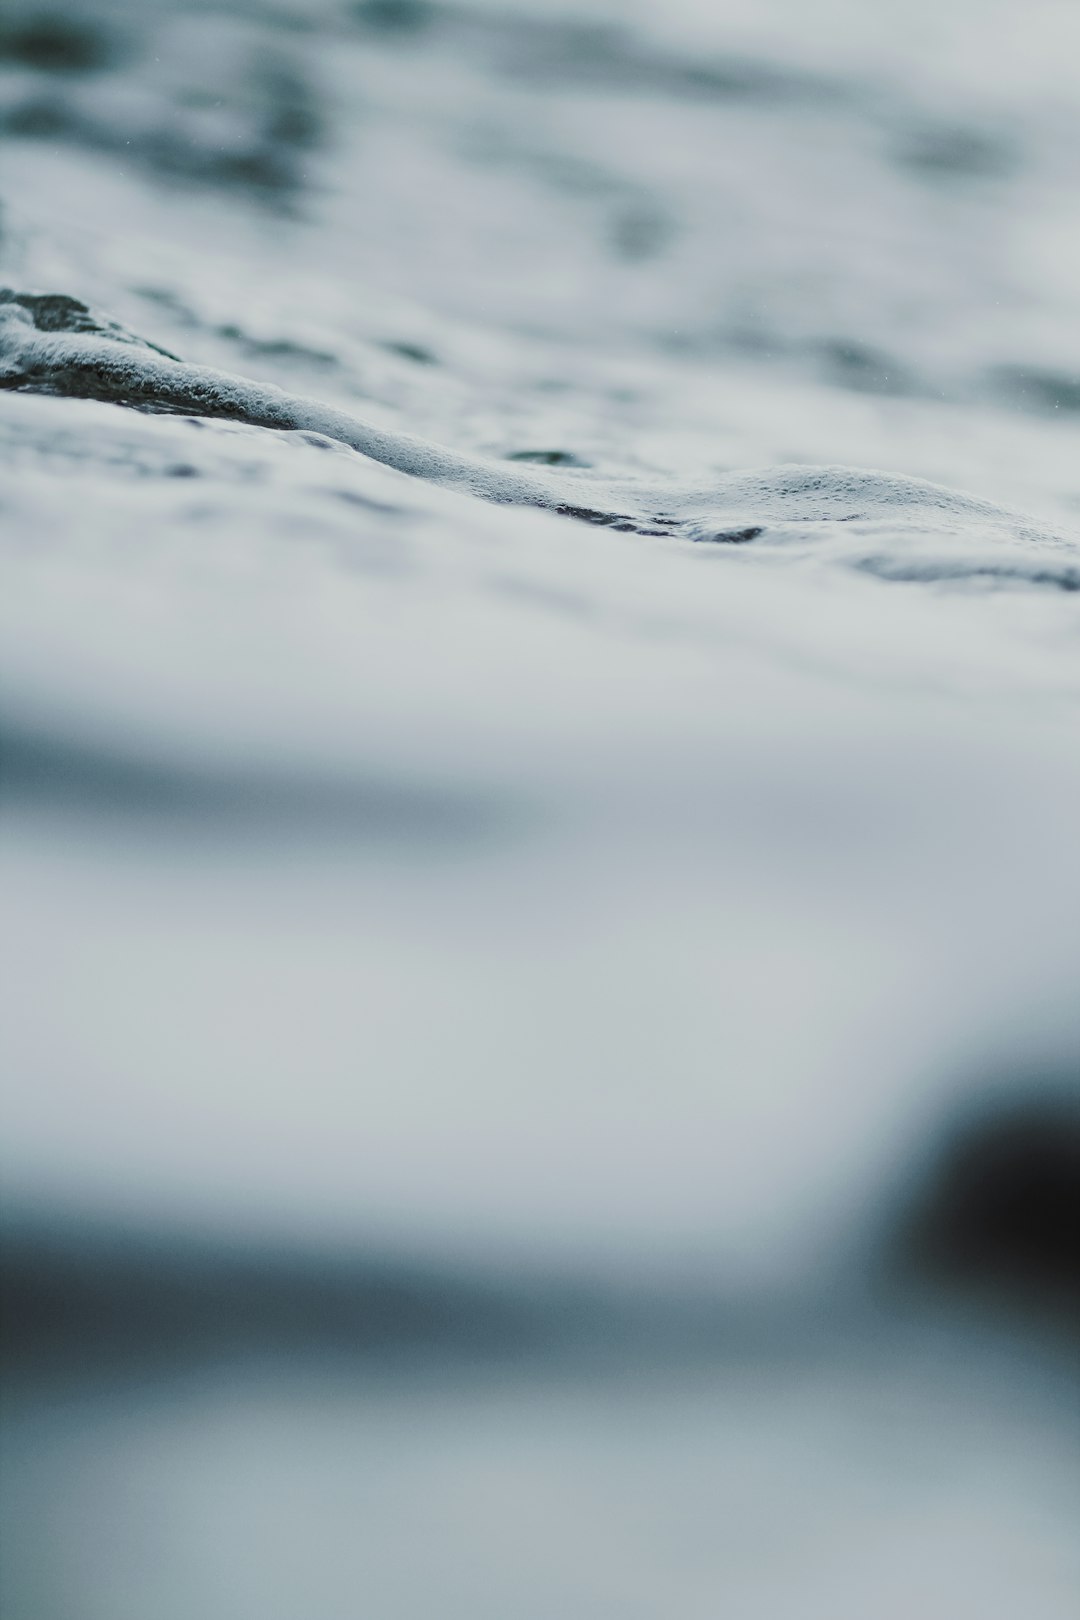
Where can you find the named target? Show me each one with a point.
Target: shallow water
(433, 875)
(875, 1480)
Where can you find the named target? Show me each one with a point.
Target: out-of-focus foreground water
(489, 1000)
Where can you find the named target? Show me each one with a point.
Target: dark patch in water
(275, 114)
(735, 76)
(587, 514)
(292, 116)
(549, 458)
(395, 16)
(167, 299)
(864, 369)
(568, 50)
(1039, 389)
(56, 42)
(931, 573)
(730, 537)
(412, 351)
(259, 168)
(617, 521)
(948, 153)
(89, 1299)
(639, 233)
(62, 774)
(352, 497)
(37, 118)
(607, 57)
(1000, 1210)
(275, 349)
(77, 1298)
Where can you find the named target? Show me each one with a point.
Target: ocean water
(544, 745)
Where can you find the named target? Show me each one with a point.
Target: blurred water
(781, 1490)
(409, 876)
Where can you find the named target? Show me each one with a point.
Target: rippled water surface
(585, 779)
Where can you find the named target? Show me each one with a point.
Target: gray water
(628, 903)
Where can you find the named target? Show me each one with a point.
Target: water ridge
(53, 343)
